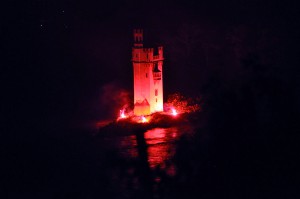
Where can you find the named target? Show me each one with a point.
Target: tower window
(156, 99)
(156, 92)
(146, 75)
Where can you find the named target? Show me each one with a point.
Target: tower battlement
(138, 37)
(148, 50)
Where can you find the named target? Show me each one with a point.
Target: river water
(160, 144)
(141, 160)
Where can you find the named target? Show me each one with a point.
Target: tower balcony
(157, 75)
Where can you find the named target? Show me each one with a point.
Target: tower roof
(142, 103)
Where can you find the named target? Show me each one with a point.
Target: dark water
(142, 160)
(160, 145)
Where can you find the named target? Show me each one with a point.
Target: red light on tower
(147, 77)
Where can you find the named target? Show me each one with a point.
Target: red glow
(159, 150)
(122, 114)
(144, 120)
(157, 134)
(174, 112)
(148, 77)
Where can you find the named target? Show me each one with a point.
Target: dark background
(61, 59)
(58, 55)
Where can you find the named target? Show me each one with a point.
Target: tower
(148, 77)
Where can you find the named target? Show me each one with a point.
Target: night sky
(67, 64)
(60, 56)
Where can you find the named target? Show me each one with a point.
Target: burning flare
(144, 120)
(174, 112)
(122, 114)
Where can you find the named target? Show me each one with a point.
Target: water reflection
(146, 159)
(161, 147)
(158, 143)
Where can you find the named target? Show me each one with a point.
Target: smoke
(113, 98)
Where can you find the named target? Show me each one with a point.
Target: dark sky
(61, 56)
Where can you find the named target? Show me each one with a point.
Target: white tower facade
(148, 77)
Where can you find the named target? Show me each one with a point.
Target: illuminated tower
(148, 77)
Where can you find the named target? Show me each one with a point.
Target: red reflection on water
(158, 155)
(156, 133)
(160, 147)
(171, 170)
(159, 150)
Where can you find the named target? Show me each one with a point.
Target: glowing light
(174, 135)
(122, 114)
(144, 120)
(155, 136)
(174, 112)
